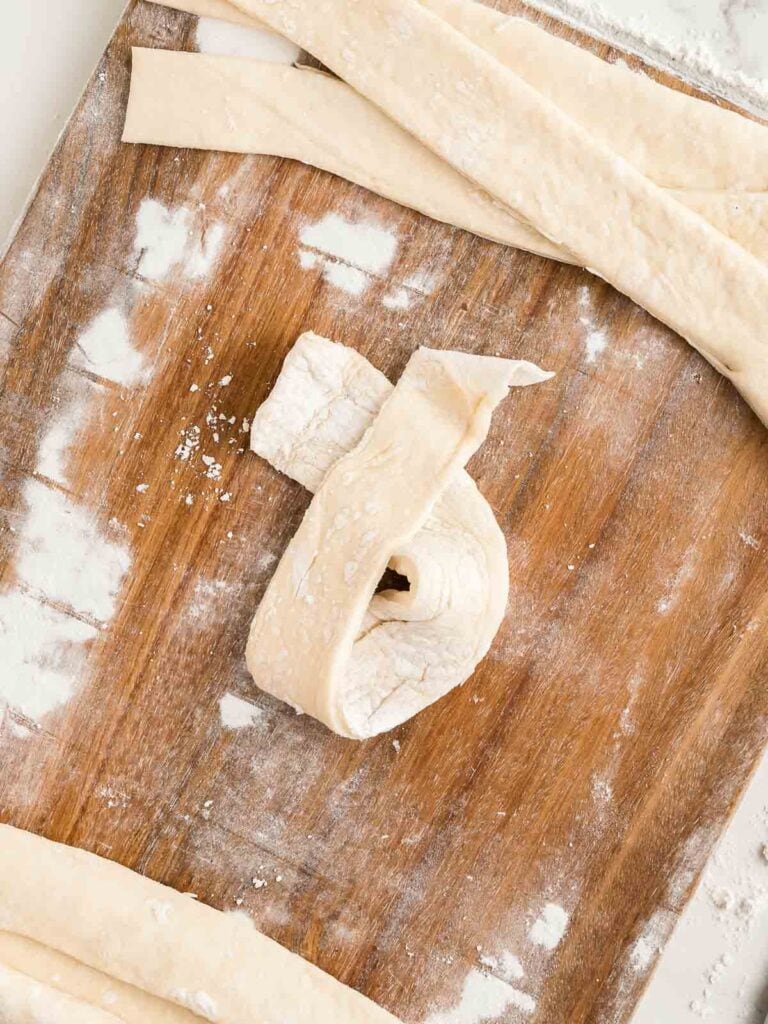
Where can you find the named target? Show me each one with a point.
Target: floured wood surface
(575, 785)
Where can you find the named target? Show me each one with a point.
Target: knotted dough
(386, 466)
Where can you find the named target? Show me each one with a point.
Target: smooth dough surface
(239, 105)
(386, 466)
(523, 150)
(205, 964)
(676, 140)
(26, 1001)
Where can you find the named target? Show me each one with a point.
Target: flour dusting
(415, 286)
(718, 45)
(64, 556)
(360, 244)
(237, 713)
(595, 342)
(351, 254)
(549, 927)
(506, 965)
(64, 427)
(106, 349)
(230, 40)
(41, 655)
(198, 1002)
(484, 998)
(397, 298)
(165, 240)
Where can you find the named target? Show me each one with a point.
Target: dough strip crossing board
(558, 808)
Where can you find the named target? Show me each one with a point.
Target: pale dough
(198, 962)
(26, 1001)
(245, 106)
(522, 149)
(386, 466)
(238, 105)
(676, 140)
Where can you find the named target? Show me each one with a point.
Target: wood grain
(596, 755)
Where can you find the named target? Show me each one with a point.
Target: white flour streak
(340, 275)
(212, 601)
(398, 298)
(40, 655)
(350, 254)
(417, 285)
(595, 342)
(237, 713)
(223, 37)
(649, 943)
(423, 281)
(347, 279)
(161, 238)
(106, 348)
(365, 246)
(674, 586)
(506, 965)
(484, 998)
(66, 424)
(204, 252)
(165, 240)
(549, 927)
(64, 557)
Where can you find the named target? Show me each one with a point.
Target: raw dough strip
(239, 105)
(523, 150)
(26, 1001)
(320, 639)
(162, 942)
(676, 140)
(71, 977)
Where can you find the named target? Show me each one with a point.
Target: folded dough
(497, 130)
(386, 466)
(197, 962)
(26, 1001)
(239, 105)
(676, 140)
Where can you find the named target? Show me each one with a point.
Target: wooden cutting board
(596, 755)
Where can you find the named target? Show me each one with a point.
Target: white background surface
(716, 966)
